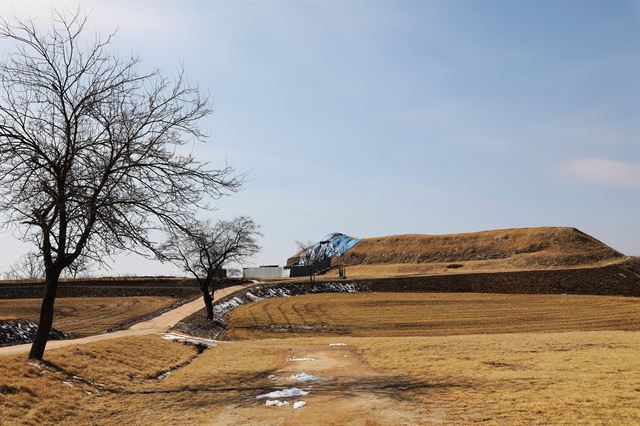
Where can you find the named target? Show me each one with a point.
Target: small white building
(265, 271)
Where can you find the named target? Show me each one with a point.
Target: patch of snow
(252, 296)
(299, 404)
(285, 393)
(301, 359)
(163, 375)
(337, 344)
(303, 377)
(67, 383)
(276, 402)
(192, 340)
(271, 377)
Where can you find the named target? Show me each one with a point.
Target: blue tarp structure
(333, 245)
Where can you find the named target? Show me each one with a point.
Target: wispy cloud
(602, 171)
(133, 19)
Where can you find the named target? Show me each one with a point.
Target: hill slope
(519, 248)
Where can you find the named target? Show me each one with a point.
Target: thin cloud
(602, 171)
(133, 19)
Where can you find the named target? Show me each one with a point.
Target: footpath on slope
(327, 384)
(157, 325)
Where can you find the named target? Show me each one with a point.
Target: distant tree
(90, 150)
(28, 266)
(204, 249)
(79, 268)
(310, 258)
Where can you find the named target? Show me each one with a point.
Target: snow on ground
(301, 359)
(276, 403)
(192, 340)
(299, 404)
(18, 331)
(303, 377)
(285, 393)
(163, 375)
(337, 344)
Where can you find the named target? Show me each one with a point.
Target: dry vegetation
(116, 383)
(83, 316)
(430, 314)
(543, 378)
(403, 366)
(391, 270)
(497, 250)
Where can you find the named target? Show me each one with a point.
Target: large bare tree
(204, 249)
(91, 156)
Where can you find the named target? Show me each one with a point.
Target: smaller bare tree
(202, 249)
(28, 266)
(310, 258)
(80, 268)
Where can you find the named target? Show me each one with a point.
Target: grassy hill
(503, 249)
(549, 246)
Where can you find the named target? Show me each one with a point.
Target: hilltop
(494, 250)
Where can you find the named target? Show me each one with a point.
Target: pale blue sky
(405, 117)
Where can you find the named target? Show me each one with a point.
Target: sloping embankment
(518, 248)
(619, 279)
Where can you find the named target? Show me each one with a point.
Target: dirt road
(159, 324)
(341, 390)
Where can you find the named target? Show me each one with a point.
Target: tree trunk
(208, 303)
(46, 315)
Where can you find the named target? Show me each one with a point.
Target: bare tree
(90, 150)
(310, 258)
(31, 266)
(28, 266)
(79, 268)
(204, 249)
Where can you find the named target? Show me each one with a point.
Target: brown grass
(392, 270)
(83, 316)
(521, 377)
(115, 383)
(503, 249)
(545, 378)
(430, 314)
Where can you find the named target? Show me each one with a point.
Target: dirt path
(159, 324)
(345, 391)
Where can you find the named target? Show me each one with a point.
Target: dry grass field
(395, 359)
(529, 378)
(430, 314)
(83, 316)
(115, 382)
